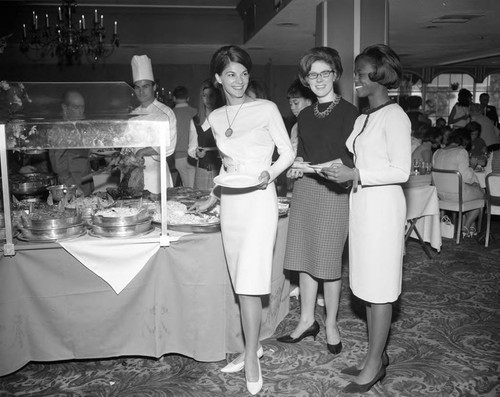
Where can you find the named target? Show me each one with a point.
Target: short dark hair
(298, 90)
(227, 54)
(325, 54)
(432, 134)
(180, 92)
(385, 61)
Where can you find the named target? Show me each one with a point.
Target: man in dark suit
(488, 110)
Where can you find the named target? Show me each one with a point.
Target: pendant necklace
(229, 130)
(328, 110)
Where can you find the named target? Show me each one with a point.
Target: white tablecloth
(422, 204)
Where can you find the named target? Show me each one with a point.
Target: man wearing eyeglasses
(70, 165)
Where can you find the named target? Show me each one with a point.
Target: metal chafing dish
(66, 219)
(129, 220)
(62, 192)
(129, 230)
(31, 184)
(29, 234)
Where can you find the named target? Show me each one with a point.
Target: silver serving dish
(123, 230)
(29, 234)
(130, 220)
(60, 192)
(32, 183)
(48, 224)
(195, 228)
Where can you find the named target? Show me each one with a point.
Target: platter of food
(180, 219)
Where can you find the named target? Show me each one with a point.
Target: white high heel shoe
(255, 387)
(236, 367)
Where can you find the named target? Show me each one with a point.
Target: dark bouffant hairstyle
(298, 90)
(325, 54)
(464, 97)
(385, 61)
(227, 54)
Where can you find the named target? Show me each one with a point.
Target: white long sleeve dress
(377, 216)
(249, 217)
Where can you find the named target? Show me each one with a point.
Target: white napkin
(116, 261)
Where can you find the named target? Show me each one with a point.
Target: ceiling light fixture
(69, 38)
(287, 24)
(455, 18)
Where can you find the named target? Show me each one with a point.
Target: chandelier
(69, 38)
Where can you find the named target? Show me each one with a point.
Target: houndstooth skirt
(318, 228)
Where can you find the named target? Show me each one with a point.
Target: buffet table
(53, 308)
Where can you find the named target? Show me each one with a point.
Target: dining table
(54, 305)
(423, 216)
(481, 177)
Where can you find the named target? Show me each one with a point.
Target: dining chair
(492, 201)
(450, 183)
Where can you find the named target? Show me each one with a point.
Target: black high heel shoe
(334, 349)
(313, 331)
(355, 371)
(354, 387)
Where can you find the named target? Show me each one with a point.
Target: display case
(38, 125)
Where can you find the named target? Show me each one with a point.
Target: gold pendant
(229, 132)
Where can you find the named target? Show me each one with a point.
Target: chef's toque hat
(141, 68)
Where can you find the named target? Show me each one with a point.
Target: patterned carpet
(445, 341)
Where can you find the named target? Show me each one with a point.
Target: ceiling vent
(455, 18)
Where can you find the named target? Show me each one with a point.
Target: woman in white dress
(246, 131)
(381, 145)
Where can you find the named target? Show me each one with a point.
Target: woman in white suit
(381, 145)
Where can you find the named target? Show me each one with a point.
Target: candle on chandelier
(24, 31)
(80, 24)
(47, 24)
(83, 22)
(102, 21)
(59, 14)
(95, 17)
(116, 28)
(36, 22)
(34, 18)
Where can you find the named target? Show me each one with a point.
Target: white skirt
(249, 222)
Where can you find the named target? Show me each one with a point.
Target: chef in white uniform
(151, 109)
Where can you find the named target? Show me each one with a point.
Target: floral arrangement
(13, 96)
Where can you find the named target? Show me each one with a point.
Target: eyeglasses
(324, 74)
